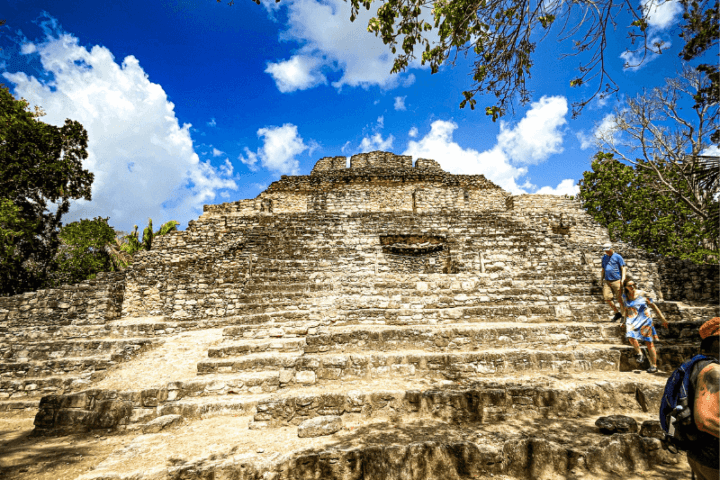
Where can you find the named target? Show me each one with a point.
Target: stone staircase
(432, 388)
(410, 345)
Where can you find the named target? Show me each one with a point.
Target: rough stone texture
(319, 426)
(162, 423)
(616, 424)
(370, 291)
(628, 453)
(652, 428)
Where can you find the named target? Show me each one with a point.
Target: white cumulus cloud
(438, 144)
(143, 159)
(217, 153)
(400, 103)
(661, 14)
(606, 129)
(281, 146)
(299, 73)
(28, 48)
(330, 42)
(537, 136)
(376, 142)
(566, 187)
(413, 132)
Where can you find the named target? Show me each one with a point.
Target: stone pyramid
(377, 320)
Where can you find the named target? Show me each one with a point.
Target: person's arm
(707, 397)
(623, 272)
(659, 313)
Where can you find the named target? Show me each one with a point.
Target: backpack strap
(695, 374)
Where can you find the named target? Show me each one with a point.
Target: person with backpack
(639, 322)
(690, 406)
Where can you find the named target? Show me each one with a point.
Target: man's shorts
(611, 289)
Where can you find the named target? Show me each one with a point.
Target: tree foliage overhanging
(502, 37)
(655, 181)
(635, 208)
(40, 168)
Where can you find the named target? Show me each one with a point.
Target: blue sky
(194, 102)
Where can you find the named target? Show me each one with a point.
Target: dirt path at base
(24, 457)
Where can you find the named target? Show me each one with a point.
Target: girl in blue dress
(639, 323)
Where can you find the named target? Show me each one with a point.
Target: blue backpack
(676, 415)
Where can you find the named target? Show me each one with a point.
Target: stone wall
(91, 302)
(320, 233)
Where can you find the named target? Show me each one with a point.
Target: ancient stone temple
(377, 319)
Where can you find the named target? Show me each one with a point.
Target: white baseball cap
(607, 246)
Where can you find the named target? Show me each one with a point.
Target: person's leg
(639, 357)
(617, 290)
(612, 305)
(609, 295)
(652, 354)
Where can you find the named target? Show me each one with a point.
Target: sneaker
(652, 369)
(639, 358)
(617, 317)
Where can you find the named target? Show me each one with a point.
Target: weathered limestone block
(616, 424)
(319, 426)
(538, 458)
(628, 452)
(161, 423)
(305, 377)
(652, 429)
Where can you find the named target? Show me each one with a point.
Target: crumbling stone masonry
(469, 305)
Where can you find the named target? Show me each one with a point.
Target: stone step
(47, 368)
(49, 350)
(310, 368)
(318, 333)
(483, 401)
(230, 349)
(28, 405)
(409, 315)
(259, 287)
(35, 387)
(471, 314)
(480, 300)
(129, 327)
(413, 449)
(453, 337)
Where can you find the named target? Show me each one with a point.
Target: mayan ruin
(379, 318)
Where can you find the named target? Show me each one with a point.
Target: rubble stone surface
(319, 426)
(617, 424)
(455, 330)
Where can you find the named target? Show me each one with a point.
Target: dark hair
(625, 286)
(711, 346)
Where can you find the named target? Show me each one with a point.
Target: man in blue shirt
(613, 277)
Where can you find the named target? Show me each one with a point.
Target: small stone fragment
(319, 426)
(652, 429)
(253, 425)
(616, 424)
(305, 377)
(162, 423)
(286, 376)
